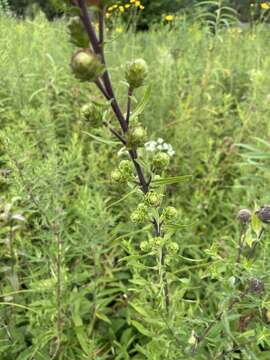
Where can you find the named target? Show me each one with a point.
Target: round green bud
(117, 177)
(136, 136)
(136, 73)
(145, 246)
(86, 66)
(160, 161)
(126, 167)
(158, 241)
(78, 35)
(169, 213)
(92, 114)
(140, 215)
(152, 198)
(172, 248)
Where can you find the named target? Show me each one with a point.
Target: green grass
(207, 96)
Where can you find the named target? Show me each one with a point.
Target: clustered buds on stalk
(169, 214)
(264, 214)
(136, 136)
(244, 216)
(153, 198)
(172, 248)
(86, 65)
(124, 172)
(160, 162)
(78, 36)
(92, 114)
(157, 243)
(136, 72)
(140, 215)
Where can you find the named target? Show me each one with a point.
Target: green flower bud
(172, 248)
(86, 66)
(140, 215)
(145, 246)
(136, 136)
(78, 35)
(158, 241)
(126, 167)
(92, 114)
(117, 177)
(160, 161)
(152, 198)
(169, 213)
(136, 73)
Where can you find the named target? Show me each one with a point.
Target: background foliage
(57, 195)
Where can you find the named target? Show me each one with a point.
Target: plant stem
(128, 105)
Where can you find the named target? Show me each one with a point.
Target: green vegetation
(77, 281)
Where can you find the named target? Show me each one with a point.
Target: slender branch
(85, 17)
(128, 105)
(101, 27)
(115, 133)
(98, 49)
(241, 243)
(102, 89)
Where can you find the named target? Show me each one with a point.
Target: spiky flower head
(172, 248)
(160, 161)
(136, 73)
(86, 65)
(136, 136)
(153, 198)
(169, 213)
(92, 114)
(117, 176)
(264, 214)
(244, 216)
(140, 215)
(126, 167)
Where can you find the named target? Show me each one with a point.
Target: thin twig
(128, 105)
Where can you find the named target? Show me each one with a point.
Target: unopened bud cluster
(158, 242)
(140, 215)
(160, 162)
(92, 114)
(136, 136)
(124, 173)
(86, 65)
(136, 73)
(169, 214)
(153, 198)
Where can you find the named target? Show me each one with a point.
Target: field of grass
(74, 284)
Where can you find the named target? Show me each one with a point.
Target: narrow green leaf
(171, 180)
(100, 139)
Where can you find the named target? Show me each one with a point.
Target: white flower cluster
(159, 145)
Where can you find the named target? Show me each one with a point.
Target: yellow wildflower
(121, 9)
(265, 6)
(137, 3)
(142, 7)
(127, 6)
(119, 30)
(169, 18)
